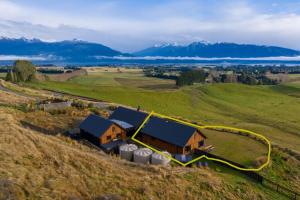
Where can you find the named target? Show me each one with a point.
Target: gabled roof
(122, 124)
(168, 131)
(95, 125)
(133, 117)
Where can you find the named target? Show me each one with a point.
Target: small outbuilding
(171, 136)
(100, 130)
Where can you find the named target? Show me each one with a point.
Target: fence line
(257, 177)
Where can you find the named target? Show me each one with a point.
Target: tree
(22, 71)
(10, 76)
(191, 77)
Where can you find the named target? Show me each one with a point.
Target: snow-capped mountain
(210, 50)
(68, 49)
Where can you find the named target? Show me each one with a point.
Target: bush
(78, 104)
(90, 105)
(22, 71)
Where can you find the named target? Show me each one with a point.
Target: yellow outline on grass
(203, 156)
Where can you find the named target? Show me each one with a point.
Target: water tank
(126, 151)
(142, 155)
(159, 159)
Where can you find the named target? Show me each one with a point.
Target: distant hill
(69, 49)
(82, 51)
(217, 50)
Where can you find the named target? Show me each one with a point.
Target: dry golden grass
(24, 90)
(112, 69)
(34, 165)
(9, 98)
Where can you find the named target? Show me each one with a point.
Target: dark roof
(133, 117)
(168, 131)
(122, 124)
(95, 125)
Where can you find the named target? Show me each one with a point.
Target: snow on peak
(173, 44)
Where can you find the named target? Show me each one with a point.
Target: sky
(129, 26)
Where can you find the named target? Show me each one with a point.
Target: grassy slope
(13, 168)
(39, 166)
(269, 110)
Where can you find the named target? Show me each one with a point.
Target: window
(108, 137)
(201, 143)
(113, 129)
(187, 148)
(119, 135)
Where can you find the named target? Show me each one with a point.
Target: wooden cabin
(101, 131)
(171, 136)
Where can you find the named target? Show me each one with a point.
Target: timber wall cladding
(160, 144)
(193, 142)
(113, 131)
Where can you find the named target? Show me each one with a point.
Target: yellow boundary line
(203, 156)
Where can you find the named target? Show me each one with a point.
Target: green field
(132, 79)
(2, 75)
(269, 110)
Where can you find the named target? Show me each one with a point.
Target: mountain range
(82, 50)
(217, 50)
(69, 49)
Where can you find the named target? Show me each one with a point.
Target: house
(101, 131)
(171, 136)
(132, 119)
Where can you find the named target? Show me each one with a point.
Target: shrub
(22, 71)
(78, 104)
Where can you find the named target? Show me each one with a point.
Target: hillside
(258, 108)
(35, 165)
(217, 50)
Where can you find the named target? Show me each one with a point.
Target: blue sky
(128, 25)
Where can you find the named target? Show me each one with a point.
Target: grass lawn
(227, 145)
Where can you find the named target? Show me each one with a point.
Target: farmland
(2, 75)
(263, 109)
(215, 104)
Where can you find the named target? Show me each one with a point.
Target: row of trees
(22, 71)
(199, 76)
(191, 77)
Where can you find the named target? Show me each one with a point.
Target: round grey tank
(142, 155)
(126, 151)
(159, 159)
